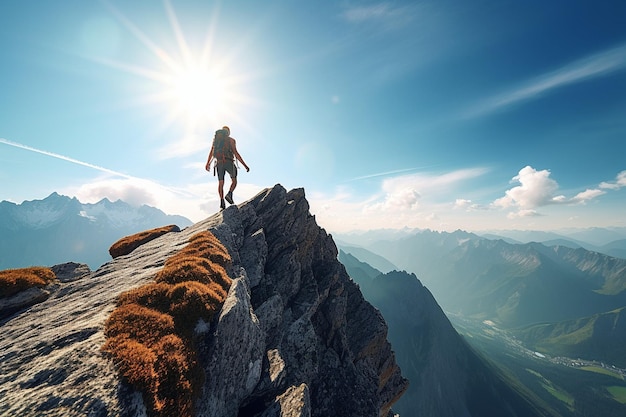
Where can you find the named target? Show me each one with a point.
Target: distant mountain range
(560, 300)
(511, 284)
(447, 377)
(615, 247)
(610, 241)
(60, 229)
(592, 236)
(436, 359)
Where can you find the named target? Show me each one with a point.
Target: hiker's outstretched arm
(208, 161)
(236, 153)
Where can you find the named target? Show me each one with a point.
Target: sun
(195, 89)
(200, 98)
(197, 92)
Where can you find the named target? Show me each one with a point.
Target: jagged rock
(71, 271)
(24, 299)
(64, 273)
(233, 357)
(319, 331)
(294, 338)
(295, 402)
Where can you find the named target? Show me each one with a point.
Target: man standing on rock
(224, 150)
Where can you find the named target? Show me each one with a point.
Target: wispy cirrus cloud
(403, 200)
(374, 12)
(404, 193)
(383, 18)
(594, 66)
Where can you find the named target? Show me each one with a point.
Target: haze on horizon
(432, 114)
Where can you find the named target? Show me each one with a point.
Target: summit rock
(295, 337)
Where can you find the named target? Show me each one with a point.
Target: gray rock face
(294, 338)
(71, 271)
(64, 272)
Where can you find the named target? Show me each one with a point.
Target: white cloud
(620, 181)
(467, 205)
(462, 203)
(403, 193)
(398, 200)
(536, 189)
(522, 214)
(587, 195)
(412, 200)
(134, 192)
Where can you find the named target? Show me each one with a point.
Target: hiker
(224, 150)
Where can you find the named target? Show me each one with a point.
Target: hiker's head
(227, 129)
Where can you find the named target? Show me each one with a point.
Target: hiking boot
(229, 197)
(222, 204)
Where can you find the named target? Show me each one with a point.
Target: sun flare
(196, 88)
(198, 92)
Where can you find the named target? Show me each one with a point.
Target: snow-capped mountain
(60, 229)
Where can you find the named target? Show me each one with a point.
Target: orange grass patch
(139, 323)
(205, 244)
(193, 268)
(177, 373)
(150, 334)
(127, 244)
(192, 301)
(13, 281)
(153, 295)
(136, 362)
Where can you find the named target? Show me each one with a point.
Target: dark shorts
(229, 167)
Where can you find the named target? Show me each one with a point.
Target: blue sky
(435, 114)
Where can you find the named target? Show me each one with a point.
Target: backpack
(222, 150)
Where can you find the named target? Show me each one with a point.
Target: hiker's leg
(221, 173)
(220, 189)
(232, 170)
(220, 185)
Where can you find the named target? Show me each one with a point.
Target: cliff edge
(294, 337)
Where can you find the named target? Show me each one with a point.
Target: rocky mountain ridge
(294, 338)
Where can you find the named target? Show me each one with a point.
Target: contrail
(383, 174)
(64, 158)
(87, 164)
